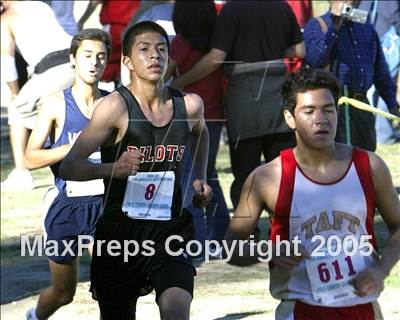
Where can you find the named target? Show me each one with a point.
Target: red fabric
(293, 64)
(113, 68)
(118, 11)
(219, 5)
(117, 14)
(304, 311)
(208, 88)
(280, 222)
(363, 168)
(302, 9)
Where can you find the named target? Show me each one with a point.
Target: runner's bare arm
(198, 128)
(248, 211)
(245, 219)
(387, 201)
(199, 151)
(36, 156)
(109, 115)
(259, 192)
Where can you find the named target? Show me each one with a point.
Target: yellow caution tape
(366, 107)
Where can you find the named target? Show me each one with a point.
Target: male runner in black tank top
(142, 130)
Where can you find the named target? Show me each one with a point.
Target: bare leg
(19, 140)
(90, 250)
(174, 304)
(62, 291)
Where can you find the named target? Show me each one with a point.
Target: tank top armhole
(364, 173)
(280, 221)
(178, 102)
(130, 101)
(57, 139)
(128, 98)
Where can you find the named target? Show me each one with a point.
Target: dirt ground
(222, 292)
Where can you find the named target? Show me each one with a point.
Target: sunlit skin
(147, 62)
(314, 119)
(90, 61)
(148, 58)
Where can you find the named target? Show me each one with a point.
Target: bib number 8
(150, 191)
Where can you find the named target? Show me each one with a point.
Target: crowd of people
(138, 164)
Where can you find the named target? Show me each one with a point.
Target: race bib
(86, 188)
(148, 195)
(330, 276)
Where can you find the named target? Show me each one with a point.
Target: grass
(219, 286)
(22, 211)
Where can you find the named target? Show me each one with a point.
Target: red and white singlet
(308, 208)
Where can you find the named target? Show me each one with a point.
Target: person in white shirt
(31, 28)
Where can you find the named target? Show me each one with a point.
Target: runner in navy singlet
(76, 207)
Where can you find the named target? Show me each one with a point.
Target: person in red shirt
(114, 16)
(194, 25)
(302, 9)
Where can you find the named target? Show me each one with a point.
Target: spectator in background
(303, 11)
(44, 45)
(385, 16)
(162, 15)
(143, 7)
(194, 23)
(159, 12)
(255, 33)
(64, 11)
(114, 16)
(354, 54)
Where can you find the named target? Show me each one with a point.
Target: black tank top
(162, 149)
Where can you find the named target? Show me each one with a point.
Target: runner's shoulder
(53, 104)
(194, 103)
(268, 175)
(112, 103)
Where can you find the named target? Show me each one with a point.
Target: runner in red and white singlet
(324, 194)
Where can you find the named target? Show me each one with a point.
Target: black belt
(51, 60)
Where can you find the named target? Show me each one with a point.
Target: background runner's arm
(387, 202)
(106, 118)
(36, 156)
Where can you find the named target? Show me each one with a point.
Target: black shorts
(115, 277)
(170, 274)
